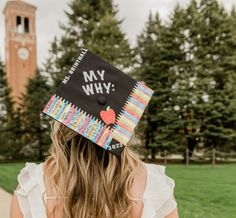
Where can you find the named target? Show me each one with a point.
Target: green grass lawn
(205, 192)
(8, 175)
(200, 190)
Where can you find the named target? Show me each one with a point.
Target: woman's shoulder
(158, 180)
(31, 189)
(30, 175)
(30, 167)
(159, 194)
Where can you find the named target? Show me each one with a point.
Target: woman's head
(91, 181)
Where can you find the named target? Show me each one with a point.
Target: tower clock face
(23, 53)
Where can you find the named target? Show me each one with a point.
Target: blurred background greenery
(190, 62)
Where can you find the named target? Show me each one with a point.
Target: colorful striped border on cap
(79, 121)
(131, 113)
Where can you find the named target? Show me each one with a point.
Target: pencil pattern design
(79, 120)
(93, 128)
(131, 113)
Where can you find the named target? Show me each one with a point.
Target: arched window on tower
(26, 25)
(19, 28)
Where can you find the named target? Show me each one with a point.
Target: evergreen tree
(158, 53)
(214, 53)
(231, 86)
(7, 118)
(174, 64)
(204, 88)
(191, 67)
(35, 126)
(93, 25)
(204, 83)
(188, 88)
(146, 51)
(5, 99)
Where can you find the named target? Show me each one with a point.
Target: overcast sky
(50, 12)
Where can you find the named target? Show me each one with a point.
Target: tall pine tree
(8, 126)
(213, 57)
(93, 25)
(146, 51)
(191, 66)
(35, 126)
(203, 87)
(158, 52)
(6, 103)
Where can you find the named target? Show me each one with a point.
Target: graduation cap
(99, 101)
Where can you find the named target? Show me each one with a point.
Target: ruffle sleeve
(158, 196)
(30, 193)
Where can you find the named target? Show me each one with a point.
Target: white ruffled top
(157, 198)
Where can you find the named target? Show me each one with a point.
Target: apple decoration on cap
(108, 116)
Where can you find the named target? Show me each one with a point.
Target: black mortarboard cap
(99, 101)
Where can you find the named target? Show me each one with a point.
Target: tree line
(189, 61)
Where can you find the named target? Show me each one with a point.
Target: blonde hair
(90, 181)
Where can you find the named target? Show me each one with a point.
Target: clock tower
(20, 45)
